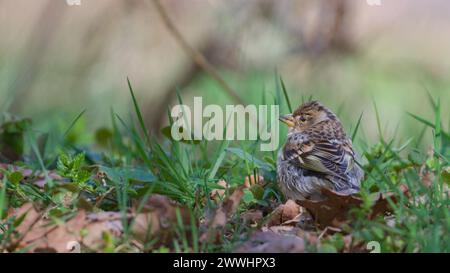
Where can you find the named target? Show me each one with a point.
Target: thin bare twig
(102, 197)
(196, 56)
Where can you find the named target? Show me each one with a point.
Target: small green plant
(12, 138)
(72, 167)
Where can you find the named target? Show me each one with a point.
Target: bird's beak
(288, 120)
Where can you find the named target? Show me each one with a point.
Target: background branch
(196, 56)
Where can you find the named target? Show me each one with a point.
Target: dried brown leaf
(227, 208)
(219, 192)
(382, 206)
(222, 214)
(333, 211)
(271, 242)
(252, 216)
(157, 218)
(285, 214)
(40, 234)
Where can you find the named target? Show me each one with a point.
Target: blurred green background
(56, 59)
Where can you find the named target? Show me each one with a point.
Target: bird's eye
(302, 119)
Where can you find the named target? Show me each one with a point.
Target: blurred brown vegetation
(55, 56)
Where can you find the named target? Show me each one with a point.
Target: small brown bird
(317, 154)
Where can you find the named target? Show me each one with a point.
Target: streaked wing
(324, 156)
(329, 157)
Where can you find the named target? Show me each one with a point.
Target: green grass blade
(219, 160)
(73, 123)
(377, 115)
(421, 136)
(422, 120)
(3, 201)
(438, 144)
(355, 131)
(430, 97)
(36, 152)
(278, 93)
(286, 96)
(429, 124)
(138, 142)
(438, 128)
(138, 112)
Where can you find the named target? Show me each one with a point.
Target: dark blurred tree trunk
(340, 38)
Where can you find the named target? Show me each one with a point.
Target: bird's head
(306, 116)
